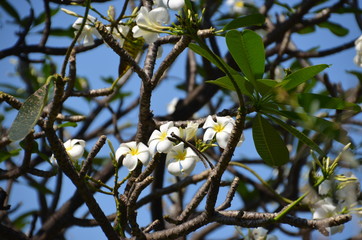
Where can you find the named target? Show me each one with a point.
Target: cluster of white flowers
(345, 192)
(180, 159)
(149, 24)
(358, 58)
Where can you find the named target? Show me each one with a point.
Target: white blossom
(347, 193)
(358, 46)
(221, 130)
(133, 152)
(88, 30)
(189, 132)
(74, 148)
(149, 23)
(324, 209)
(238, 6)
(119, 32)
(159, 141)
(180, 161)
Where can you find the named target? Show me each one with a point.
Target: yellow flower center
(218, 128)
(68, 148)
(180, 156)
(134, 151)
(239, 4)
(163, 136)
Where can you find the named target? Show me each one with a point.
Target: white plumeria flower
(180, 161)
(149, 23)
(358, 58)
(358, 44)
(88, 30)
(324, 209)
(347, 193)
(74, 148)
(133, 152)
(159, 141)
(119, 32)
(238, 6)
(189, 132)
(221, 130)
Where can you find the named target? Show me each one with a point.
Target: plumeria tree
(262, 139)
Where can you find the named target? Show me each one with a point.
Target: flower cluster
(149, 23)
(180, 159)
(358, 58)
(338, 197)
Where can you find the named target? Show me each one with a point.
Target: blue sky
(102, 62)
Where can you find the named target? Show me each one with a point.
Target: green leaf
(307, 100)
(61, 32)
(243, 84)
(306, 30)
(220, 64)
(268, 142)
(29, 113)
(41, 18)
(265, 86)
(10, 10)
(301, 136)
(247, 49)
(245, 21)
(327, 128)
(335, 28)
(302, 75)
(4, 155)
(68, 124)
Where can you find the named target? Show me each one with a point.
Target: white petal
(228, 128)
(53, 161)
(166, 126)
(174, 4)
(76, 152)
(155, 135)
(164, 146)
(209, 123)
(174, 130)
(241, 140)
(178, 148)
(142, 147)
(159, 16)
(174, 168)
(223, 121)
(150, 37)
(153, 146)
(131, 145)
(144, 157)
(130, 162)
(209, 134)
(122, 150)
(222, 139)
